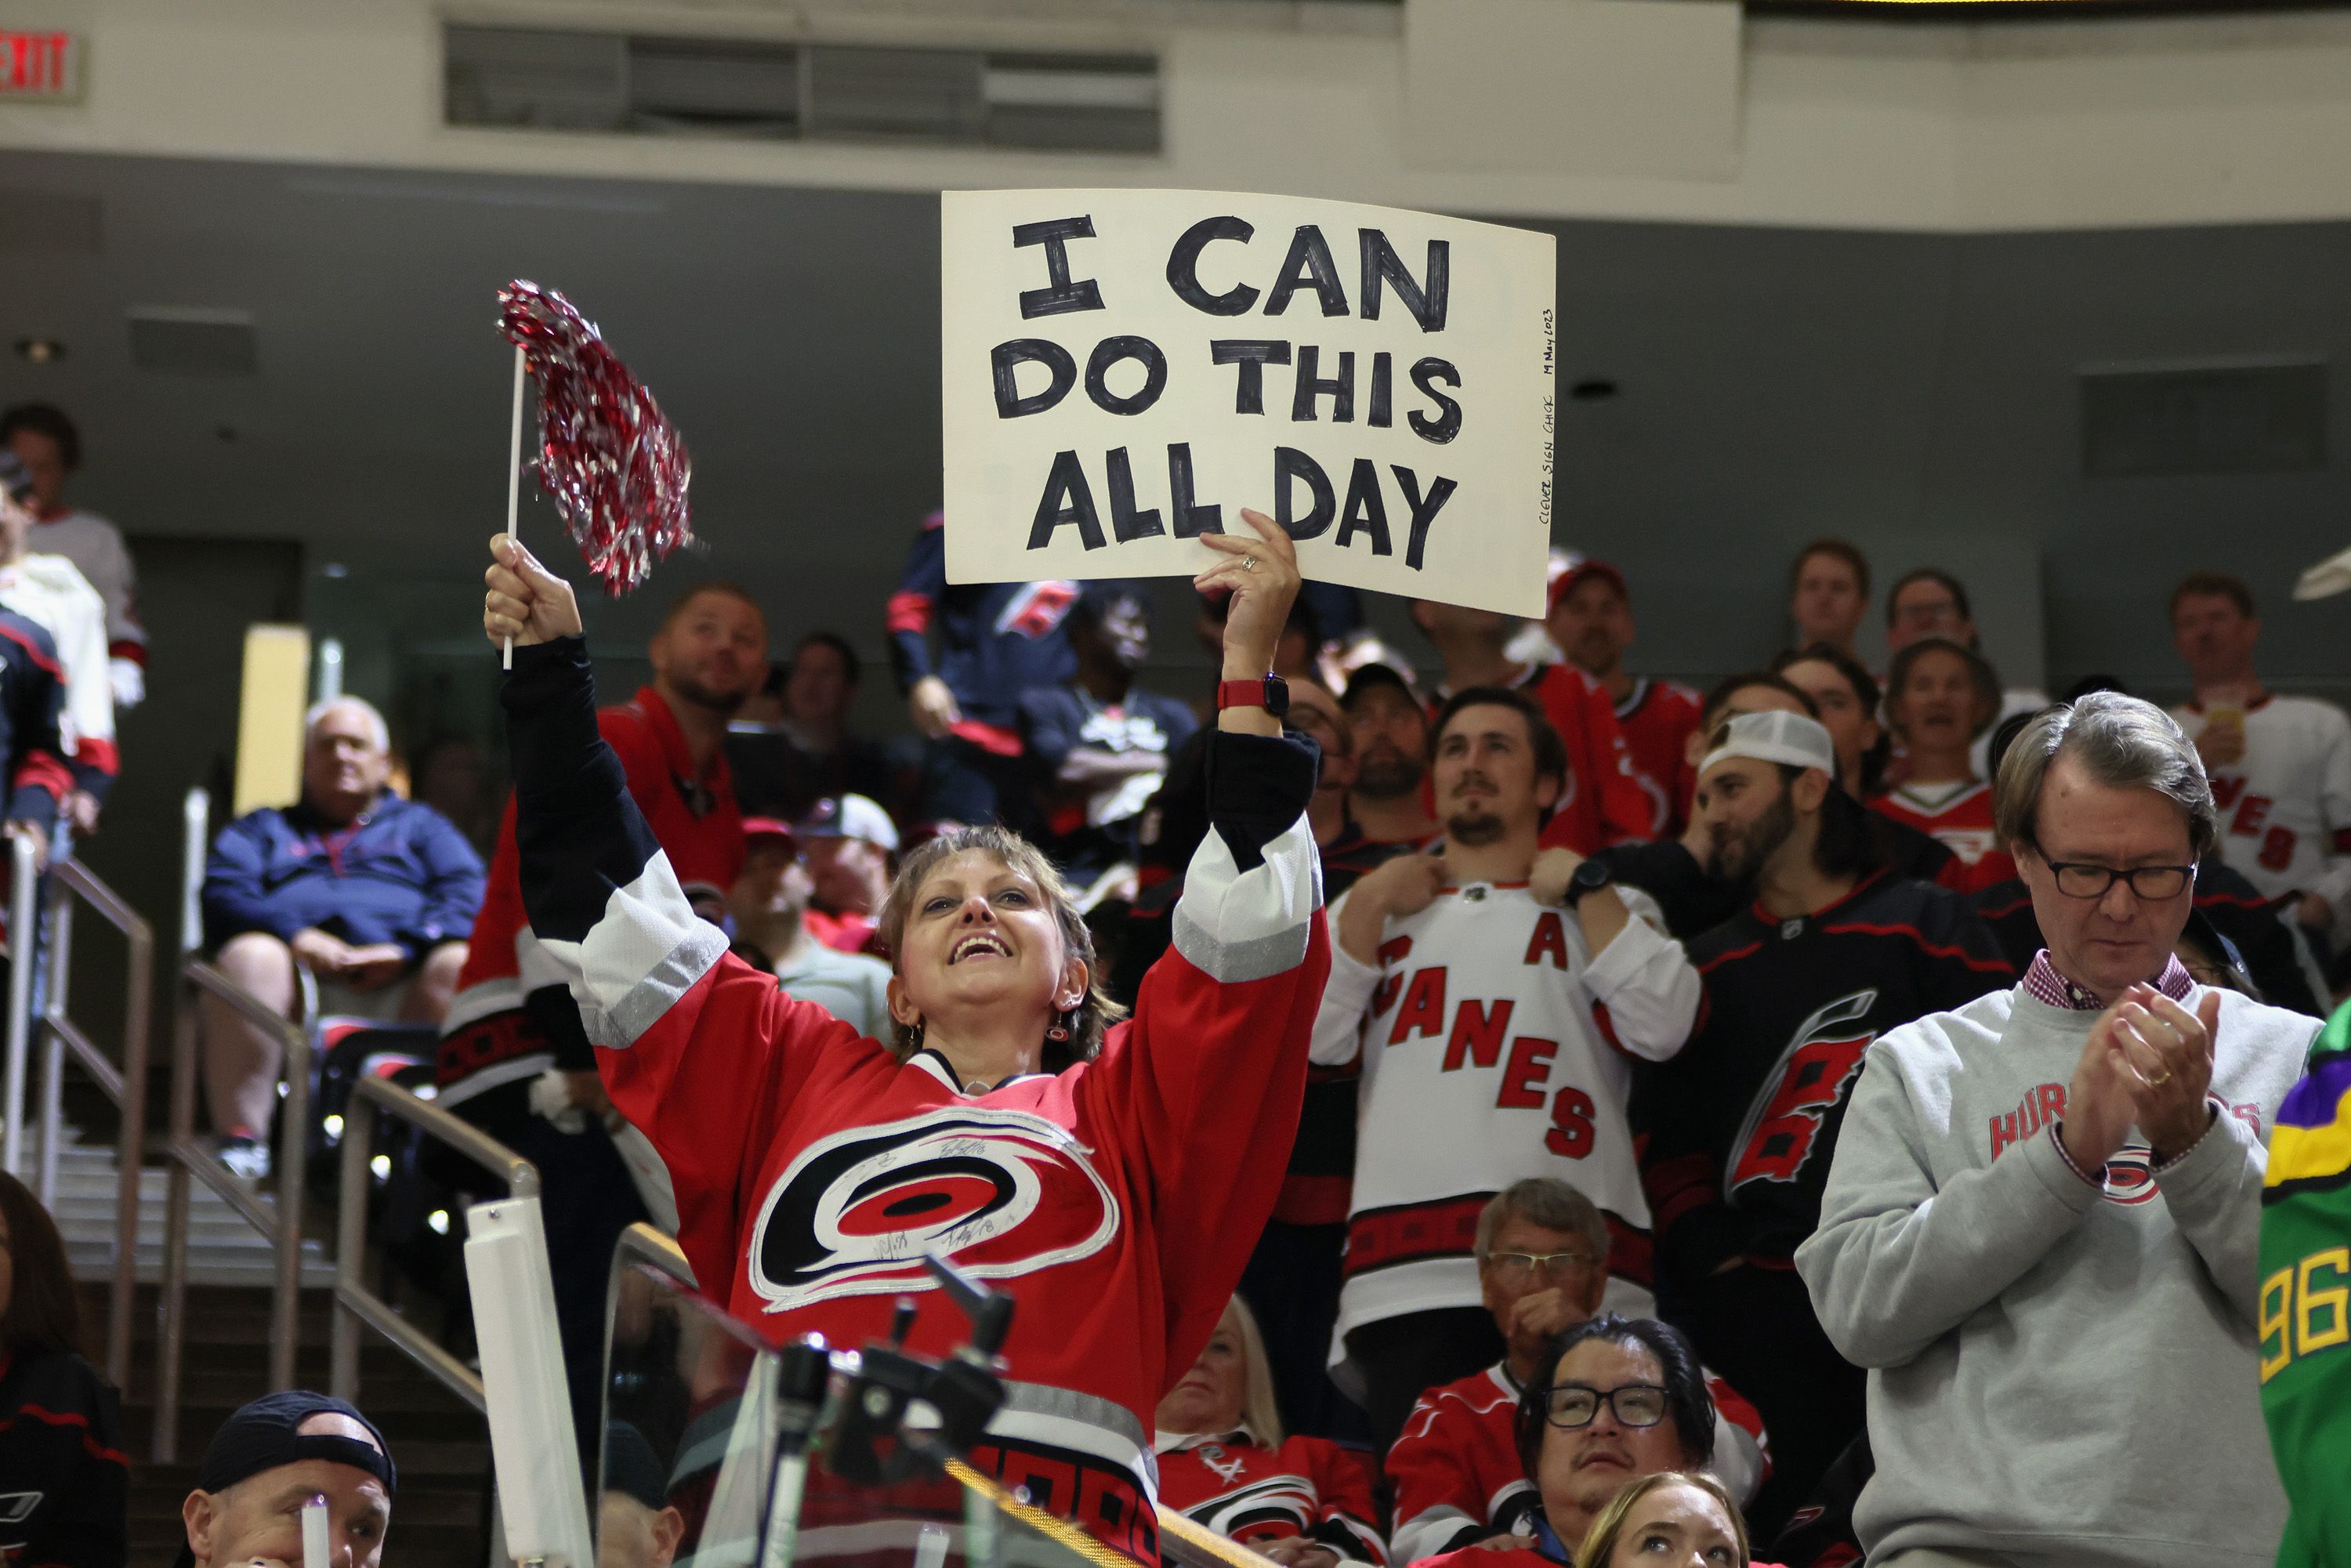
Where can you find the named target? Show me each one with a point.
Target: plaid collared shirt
(2043, 983)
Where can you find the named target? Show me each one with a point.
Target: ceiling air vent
(535, 79)
(714, 87)
(192, 343)
(923, 95)
(656, 85)
(2242, 416)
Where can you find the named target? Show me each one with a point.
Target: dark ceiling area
(1921, 394)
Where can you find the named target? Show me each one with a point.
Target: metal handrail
(127, 1085)
(355, 1303)
(24, 942)
(190, 1155)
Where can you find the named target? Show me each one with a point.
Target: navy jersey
(1735, 1132)
(996, 639)
(32, 696)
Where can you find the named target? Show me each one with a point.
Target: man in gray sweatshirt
(2041, 1227)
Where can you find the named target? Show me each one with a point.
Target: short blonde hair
(1095, 1011)
(1260, 1412)
(1600, 1540)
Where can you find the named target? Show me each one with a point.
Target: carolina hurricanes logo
(1003, 1192)
(2129, 1177)
(1267, 1509)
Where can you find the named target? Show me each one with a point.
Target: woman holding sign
(1111, 1175)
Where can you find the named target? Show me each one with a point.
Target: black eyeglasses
(1575, 1404)
(2079, 879)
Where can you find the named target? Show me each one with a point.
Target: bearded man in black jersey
(1736, 1131)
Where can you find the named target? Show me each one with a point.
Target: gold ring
(2159, 1080)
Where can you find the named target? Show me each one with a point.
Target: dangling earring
(1059, 1031)
(916, 1042)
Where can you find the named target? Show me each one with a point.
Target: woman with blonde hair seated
(1224, 1464)
(1672, 1519)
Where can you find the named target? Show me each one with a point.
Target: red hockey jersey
(1958, 817)
(1658, 717)
(487, 1040)
(1456, 1473)
(1603, 802)
(1116, 1200)
(1233, 1484)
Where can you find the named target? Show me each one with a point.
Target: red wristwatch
(1271, 693)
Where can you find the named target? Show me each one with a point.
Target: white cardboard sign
(1126, 370)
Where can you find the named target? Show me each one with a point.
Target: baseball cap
(1581, 570)
(850, 817)
(768, 828)
(631, 1468)
(1776, 736)
(266, 1434)
(1367, 676)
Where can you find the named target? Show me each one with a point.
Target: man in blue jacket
(372, 895)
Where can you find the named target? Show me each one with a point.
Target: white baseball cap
(850, 817)
(1774, 736)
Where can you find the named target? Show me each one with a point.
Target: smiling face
(981, 938)
(1486, 784)
(712, 653)
(1213, 1392)
(1675, 1525)
(1750, 811)
(1581, 1469)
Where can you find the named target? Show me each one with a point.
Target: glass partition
(706, 1464)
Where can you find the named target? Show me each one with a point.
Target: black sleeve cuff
(550, 702)
(1259, 785)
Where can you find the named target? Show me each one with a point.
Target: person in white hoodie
(2041, 1229)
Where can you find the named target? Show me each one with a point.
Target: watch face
(1277, 696)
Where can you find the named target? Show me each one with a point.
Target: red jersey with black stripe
(1736, 1133)
(1245, 1491)
(1658, 717)
(1116, 1200)
(1958, 817)
(1603, 802)
(1457, 1476)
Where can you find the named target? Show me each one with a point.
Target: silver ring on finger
(1248, 563)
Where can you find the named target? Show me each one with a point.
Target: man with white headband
(1832, 948)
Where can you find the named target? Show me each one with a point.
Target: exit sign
(40, 65)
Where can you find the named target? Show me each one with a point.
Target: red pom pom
(615, 466)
